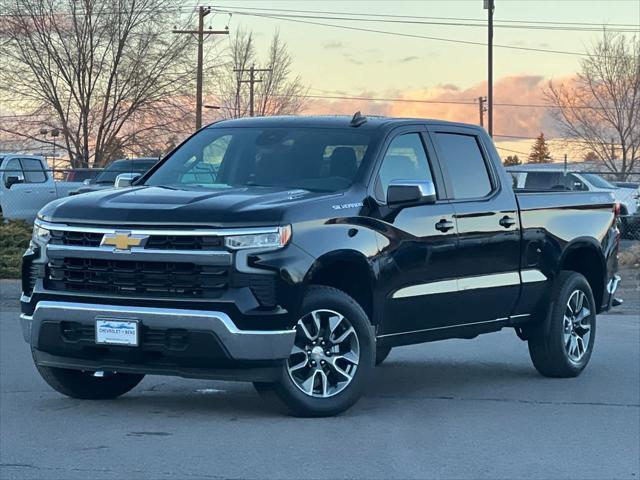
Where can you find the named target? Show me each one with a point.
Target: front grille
(184, 242)
(77, 239)
(136, 278)
(156, 242)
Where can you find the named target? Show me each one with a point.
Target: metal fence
(23, 191)
(26, 189)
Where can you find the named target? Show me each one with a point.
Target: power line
(444, 102)
(444, 23)
(399, 34)
(387, 15)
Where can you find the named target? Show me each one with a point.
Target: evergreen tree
(512, 160)
(539, 151)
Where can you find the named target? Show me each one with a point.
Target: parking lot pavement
(454, 409)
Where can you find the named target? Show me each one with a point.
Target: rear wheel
(89, 385)
(561, 346)
(332, 357)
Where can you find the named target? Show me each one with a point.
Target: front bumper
(190, 343)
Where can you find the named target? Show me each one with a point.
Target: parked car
(555, 177)
(107, 177)
(84, 175)
(295, 253)
(27, 185)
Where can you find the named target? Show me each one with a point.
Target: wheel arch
(584, 255)
(349, 271)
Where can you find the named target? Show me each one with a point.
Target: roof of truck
(329, 121)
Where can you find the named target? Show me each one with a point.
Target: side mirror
(13, 180)
(126, 179)
(86, 181)
(579, 186)
(410, 192)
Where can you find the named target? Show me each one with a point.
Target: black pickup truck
(296, 252)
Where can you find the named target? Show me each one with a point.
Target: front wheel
(562, 344)
(86, 385)
(332, 357)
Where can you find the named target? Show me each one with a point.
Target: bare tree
(108, 73)
(277, 93)
(601, 108)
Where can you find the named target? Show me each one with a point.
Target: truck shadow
(399, 379)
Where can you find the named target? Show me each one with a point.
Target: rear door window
(33, 170)
(462, 157)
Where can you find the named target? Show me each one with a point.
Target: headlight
(40, 235)
(271, 240)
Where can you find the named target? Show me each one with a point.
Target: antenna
(358, 119)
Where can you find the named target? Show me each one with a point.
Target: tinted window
(33, 171)
(298, 157)
(109, 174)
(597, 181)
(553, 181)
(463, 160)
(405, 159)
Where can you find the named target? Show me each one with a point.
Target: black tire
(83, 385)
(547, 346)
(288, 395)
(381, 354)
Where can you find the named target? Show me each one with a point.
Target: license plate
(112, 331)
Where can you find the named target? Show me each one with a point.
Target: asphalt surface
(456, 409)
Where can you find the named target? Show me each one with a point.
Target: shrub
(14, 240)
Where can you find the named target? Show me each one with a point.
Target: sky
(343, 62)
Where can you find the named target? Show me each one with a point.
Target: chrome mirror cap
(411, 192)
(126, 179)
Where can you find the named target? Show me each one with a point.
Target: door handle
(507, 221)
(444, 225)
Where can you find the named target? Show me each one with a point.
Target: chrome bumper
(240, 344)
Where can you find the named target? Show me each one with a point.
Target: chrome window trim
(223, 232)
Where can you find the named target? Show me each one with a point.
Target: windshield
(317, 159)
(596, 180)
(109, 174)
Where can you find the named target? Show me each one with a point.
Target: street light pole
(490, 6)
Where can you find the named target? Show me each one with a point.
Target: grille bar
(126, 277)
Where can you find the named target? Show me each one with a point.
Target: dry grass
(630, 256)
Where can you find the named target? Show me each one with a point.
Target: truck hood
(246, 206)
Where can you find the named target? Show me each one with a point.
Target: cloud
(408, 59)
(351, 59)
(518, 121)
(333, 45)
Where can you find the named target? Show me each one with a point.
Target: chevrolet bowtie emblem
(123, 240)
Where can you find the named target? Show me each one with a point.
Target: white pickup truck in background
(28, 185)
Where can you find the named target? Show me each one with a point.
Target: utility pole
(201, 32)
(252, 81)
(489, 5)
(481, 102)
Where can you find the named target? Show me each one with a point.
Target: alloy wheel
(577, 326)
(325, 354)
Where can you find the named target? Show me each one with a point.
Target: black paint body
(354, 241)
